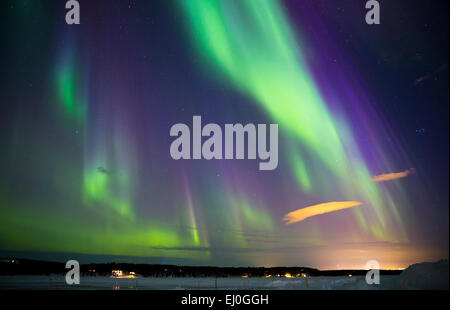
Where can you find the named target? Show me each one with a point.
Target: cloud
(301, 214)
(392, 176)
(228, 250)
(425, 77)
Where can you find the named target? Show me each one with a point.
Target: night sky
(362, 110)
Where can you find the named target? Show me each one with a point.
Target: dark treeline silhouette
(32, 267)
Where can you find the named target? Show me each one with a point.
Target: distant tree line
(33, 267)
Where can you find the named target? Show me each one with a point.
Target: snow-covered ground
(417, 276)
(322, 283)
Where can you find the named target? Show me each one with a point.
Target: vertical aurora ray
(71, 82)
(68, 82)
(108, 175)
(190, 206)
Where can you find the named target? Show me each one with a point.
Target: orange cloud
(301, 214)
(392, 176)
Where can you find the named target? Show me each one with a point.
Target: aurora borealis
(86, 112)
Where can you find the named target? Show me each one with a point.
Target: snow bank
(427, 276)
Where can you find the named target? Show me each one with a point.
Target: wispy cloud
(392, 176)
(301, 214)
(427, 76)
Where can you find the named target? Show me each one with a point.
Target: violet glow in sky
(88, 109)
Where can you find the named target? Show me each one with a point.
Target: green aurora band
(251, 44)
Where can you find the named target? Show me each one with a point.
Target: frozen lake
(57, 282)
